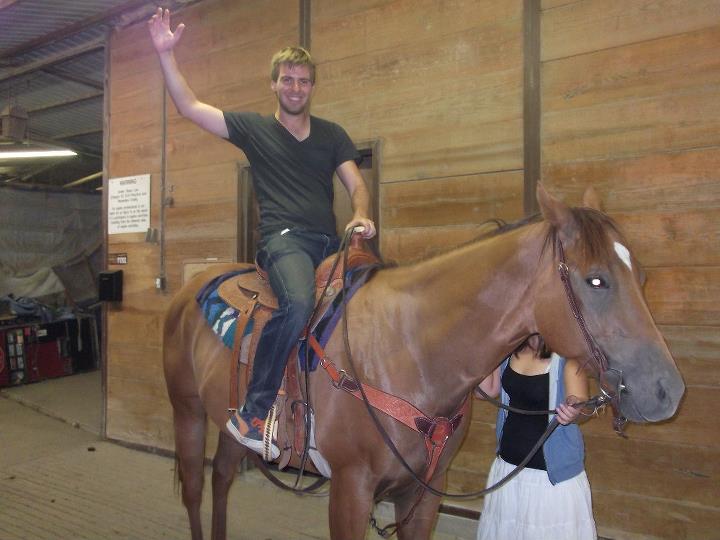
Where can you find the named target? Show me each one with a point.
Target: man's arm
(204, 115)
(359, 198)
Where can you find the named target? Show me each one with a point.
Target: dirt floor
(59, 481)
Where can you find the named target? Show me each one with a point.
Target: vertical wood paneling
(630, 106)
(531, 104)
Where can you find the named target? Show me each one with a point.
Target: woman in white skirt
(550, 499)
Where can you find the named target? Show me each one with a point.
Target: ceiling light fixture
(15, 140)
(31, 154)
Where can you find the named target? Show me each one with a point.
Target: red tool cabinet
(32, 353)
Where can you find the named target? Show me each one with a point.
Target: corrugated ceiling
(52, 64)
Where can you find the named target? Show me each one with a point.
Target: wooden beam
(531, 104)
(304, 24)
(78, 134)
(106, 172)
(74, 78)
(82, 180)
(36, 186)
(38, 170)
(65, 103)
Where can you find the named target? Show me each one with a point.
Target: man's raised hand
(159, 25)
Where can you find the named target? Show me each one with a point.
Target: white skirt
(530, 507)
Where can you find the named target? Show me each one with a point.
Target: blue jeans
(290, 260)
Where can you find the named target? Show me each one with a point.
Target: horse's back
(193, 356)
(184, 301)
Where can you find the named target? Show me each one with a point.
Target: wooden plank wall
(440, 85)
(629, 98)
(136, 410)
(420, 75)
(229, 69)
(630, 105)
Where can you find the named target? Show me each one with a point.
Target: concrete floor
(59, 481)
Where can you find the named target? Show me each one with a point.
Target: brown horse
(429, 332)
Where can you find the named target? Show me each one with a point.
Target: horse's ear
(557, 214)
(591, 199)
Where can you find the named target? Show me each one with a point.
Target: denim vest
(564, 449)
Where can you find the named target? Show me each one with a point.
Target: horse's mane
(593, 229)
(500, 227)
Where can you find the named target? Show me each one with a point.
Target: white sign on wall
(129, 204)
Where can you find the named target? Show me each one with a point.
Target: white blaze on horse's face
(624, 254)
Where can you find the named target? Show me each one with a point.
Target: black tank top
(520, 431)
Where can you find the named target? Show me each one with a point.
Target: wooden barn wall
(629, 103)
(440, 85)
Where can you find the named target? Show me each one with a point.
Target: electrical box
(110, 286)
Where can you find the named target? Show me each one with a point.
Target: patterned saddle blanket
(223, 317)
(224, 298)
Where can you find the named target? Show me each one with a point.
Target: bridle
(610, 379)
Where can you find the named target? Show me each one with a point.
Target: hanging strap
(242, 322)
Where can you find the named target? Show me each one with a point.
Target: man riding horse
(293, 156)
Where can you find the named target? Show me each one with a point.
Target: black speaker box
(110, 286)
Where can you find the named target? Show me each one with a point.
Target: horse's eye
(596, 282)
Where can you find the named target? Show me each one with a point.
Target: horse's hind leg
(225, 465)
(189, 422)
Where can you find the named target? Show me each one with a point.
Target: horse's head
(607, 283)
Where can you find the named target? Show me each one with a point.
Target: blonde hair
(293, 56)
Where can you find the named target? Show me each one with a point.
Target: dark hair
(537, 344)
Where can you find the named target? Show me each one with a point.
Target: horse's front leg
(351, 499)
(225, 464)
(424, 513)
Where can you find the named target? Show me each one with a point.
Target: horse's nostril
(661, 392)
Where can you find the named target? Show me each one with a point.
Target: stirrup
(270, 433)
